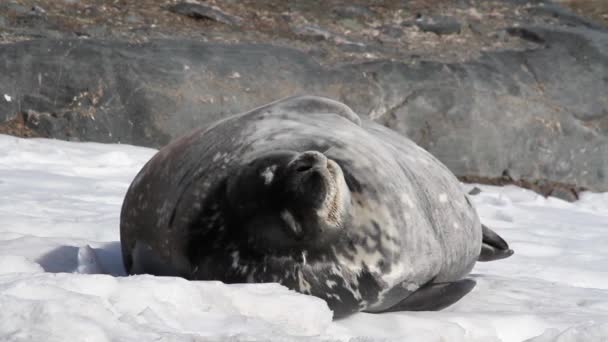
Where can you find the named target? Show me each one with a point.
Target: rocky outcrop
(535, 109)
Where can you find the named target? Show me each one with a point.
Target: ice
(62, 279)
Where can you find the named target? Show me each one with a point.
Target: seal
(305, 193)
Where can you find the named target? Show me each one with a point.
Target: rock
(525, 34)
(391, 31)
(96, 31)
(352, 11)
(438, 24)
(199, 11)
(525, 106)
(38, 10)
(11, 6)
(35, 18)
(135, 19)
(352, 24)
(539, 113)
(315, 33)
(475, 191)
(349, 45)
(563, 15)
(564, 194)
(311, 32)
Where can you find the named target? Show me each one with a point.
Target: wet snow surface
(61, 275)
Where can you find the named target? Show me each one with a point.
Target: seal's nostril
(307, 161)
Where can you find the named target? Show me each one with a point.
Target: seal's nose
(308, 160)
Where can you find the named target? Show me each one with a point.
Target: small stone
(392, 31)
(16, 8)
(439, 25)
(38, 10)
(475, 191)
(474, 13)
(525, 34)
(205, 12)
(351, 24)
(311, 32)
(97, 31)
(35, 18)
(352, 11)
(564, 194)
(134, 19)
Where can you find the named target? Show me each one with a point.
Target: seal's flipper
(493, 247)
(434, 296)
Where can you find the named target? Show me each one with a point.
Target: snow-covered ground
(61, 275)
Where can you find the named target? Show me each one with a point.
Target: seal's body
(304, 193)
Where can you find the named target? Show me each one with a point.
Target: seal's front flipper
(434, 296)
(493, 247)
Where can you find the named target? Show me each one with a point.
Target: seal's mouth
(333, 207)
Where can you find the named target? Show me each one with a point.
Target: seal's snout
(308, 161)
(308, 179)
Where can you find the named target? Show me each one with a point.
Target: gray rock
(311, 32)
(352, 24)
(439, 25)
(475, 191)
(564, 194)
(525, 34)
(563, 15)
(392, 31)
(134, 19)
(199, 11)
(315, 33)
(14, 7)
(524, 106)
(38, 10)
(532, 114)
(352, 11)
(33, 19)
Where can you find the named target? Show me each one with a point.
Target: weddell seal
(304, 193)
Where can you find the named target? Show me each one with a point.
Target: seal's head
(288, 202)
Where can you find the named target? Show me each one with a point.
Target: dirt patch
(596, 10)
(332, 30)
(17, 127)
(568, 192)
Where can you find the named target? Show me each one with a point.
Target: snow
(61, 274)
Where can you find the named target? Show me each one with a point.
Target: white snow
(61, 274)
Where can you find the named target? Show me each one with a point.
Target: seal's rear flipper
(493, 247)
(434, 296)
